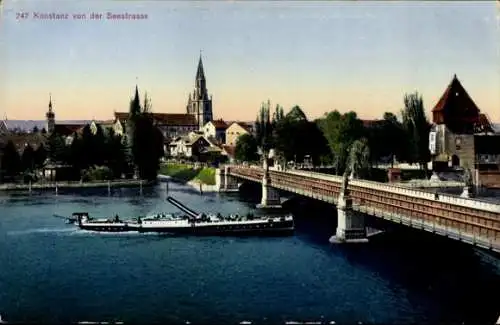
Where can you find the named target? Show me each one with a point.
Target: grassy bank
(186, 173)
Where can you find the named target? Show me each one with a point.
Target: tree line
(101, 154)
(340, 139)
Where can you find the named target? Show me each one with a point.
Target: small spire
(50, 102)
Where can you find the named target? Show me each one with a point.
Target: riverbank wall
(132, 183)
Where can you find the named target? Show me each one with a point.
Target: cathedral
(200, 103)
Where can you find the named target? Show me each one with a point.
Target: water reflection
(403, 276)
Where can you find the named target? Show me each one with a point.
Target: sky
(362, 56)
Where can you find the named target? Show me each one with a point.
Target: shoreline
(11, 187)
(196, 185)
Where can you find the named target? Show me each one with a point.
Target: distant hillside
(28, 125)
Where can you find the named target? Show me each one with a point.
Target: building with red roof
(461, 136)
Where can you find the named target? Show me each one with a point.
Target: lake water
(50, 272)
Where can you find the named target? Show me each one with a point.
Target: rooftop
(173, 119)
(455, 97)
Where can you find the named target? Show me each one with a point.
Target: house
(171, 125)
(250, 126)
(235, 130)
(216, 129)
(187, 146)
(107, 126)
(67, 131)
(461, 136)
(4, 129)
(21, 141)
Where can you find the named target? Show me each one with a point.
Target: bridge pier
(350, 224)
(224, 181)
(270, 196)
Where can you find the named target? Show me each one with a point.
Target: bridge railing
(417, 193)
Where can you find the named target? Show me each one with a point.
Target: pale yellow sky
(322, 56)
(233, 103)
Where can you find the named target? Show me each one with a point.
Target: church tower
(200, 103)
(51, 117)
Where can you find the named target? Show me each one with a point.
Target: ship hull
(262, 229)
(107, 227)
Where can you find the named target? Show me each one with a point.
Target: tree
(246, 148)
(87, 147)
(126, 154)
(114, 156)
(289, 133)
(99, 145)
(394, 136)
(340, 131)
(296, 114)
(57, 148)
(35, 129)
(147, 108)
(11, 161)
(264, 129)
(294, 136)
(40, 155)
(359, 158)
(145, 140)
(28, 158)
(385, 138)
(417, 129)
(79, 157)
(313, 142)
(278, 114)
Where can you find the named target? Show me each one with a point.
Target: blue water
(52, 273)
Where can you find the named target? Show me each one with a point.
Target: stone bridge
(469, 220)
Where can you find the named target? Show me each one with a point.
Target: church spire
(135, 103)
(50, 102)
(51, 117)
(200, 74)
(136, 93)
(200, 104)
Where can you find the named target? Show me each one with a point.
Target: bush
(101, 173)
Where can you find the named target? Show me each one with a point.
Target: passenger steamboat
(190, 223)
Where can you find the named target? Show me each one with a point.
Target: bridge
(468, 220)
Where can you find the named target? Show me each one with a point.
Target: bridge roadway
(469, 220)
